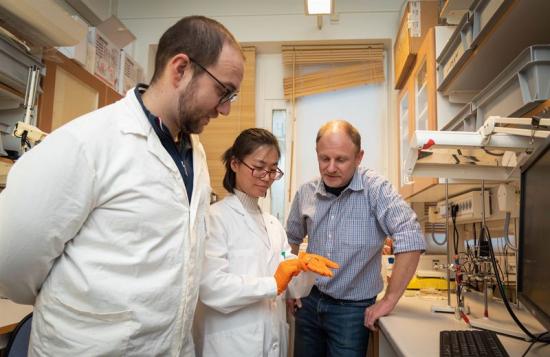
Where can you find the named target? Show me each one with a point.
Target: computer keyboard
(470, 343)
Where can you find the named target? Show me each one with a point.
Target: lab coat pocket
(89, 333)
(244, 340)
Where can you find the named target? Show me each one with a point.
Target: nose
(224, 108)
(331, 166)
(266, 178)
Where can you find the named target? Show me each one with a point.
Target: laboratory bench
(10, 314)
(413, 330)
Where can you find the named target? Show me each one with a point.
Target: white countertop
(413, 330)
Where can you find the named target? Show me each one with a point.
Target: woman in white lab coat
(242, 311)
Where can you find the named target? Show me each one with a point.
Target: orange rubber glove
(286, 270)
(317, 264)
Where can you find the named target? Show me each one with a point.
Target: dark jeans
(331, 327)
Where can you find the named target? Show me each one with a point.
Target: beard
(191, 118)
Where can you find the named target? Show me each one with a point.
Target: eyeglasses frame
(230, 95)
(265, 172)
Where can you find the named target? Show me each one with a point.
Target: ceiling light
(319, 7)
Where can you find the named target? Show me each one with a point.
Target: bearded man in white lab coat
(102, 224)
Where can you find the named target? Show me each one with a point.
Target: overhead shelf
(42, 22)
(494, 152)
(488, 39)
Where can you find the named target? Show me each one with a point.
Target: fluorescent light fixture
(319, 7)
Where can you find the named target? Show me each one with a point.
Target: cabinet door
(424, 98)
(69, 92)
(405, 116)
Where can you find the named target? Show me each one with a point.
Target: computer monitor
(534, 235)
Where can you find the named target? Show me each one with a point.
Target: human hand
(374, 312)
(317, 264)
(286, 270)
(292, 305)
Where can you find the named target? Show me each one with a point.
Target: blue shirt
(181, 153)
(350, 229)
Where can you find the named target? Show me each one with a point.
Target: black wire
(492, 153)
(529, 348)
(454, 211)
(538, 339)
(501, 287)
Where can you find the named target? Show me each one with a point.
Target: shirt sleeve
(222, 289)
(296, 228)
(396, 217)
(48, 197)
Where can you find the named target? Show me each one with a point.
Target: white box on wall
(130, 73)
(105, 60)
(78, 52)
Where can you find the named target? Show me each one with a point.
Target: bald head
(340, 127)
(338, 152)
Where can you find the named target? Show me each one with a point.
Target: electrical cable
(492, 153)
(506, 230)
(501, 288)
(454, 211)
(538, 339)
(433, 236)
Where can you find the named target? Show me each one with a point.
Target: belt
(319, 293)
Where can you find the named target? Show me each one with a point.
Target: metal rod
(483, 231)
(448, 244)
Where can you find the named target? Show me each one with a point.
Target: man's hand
(374, 312)
(292, 305)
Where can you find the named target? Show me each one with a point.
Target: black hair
(246, 143)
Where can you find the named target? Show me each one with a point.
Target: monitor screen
(534, 236)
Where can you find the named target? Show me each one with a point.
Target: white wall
(266, 24)
(261, 20)
(364, 107)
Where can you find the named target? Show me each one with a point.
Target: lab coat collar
(137, 123)
(234, 203)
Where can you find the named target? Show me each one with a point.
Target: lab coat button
(275, 345)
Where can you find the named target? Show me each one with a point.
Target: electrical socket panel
(469, 207)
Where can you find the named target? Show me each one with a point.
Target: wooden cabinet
(405, 115)
(69, 92)
(421, 107)
(421, 15)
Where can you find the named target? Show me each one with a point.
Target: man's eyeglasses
(261, 173)
(230, 95)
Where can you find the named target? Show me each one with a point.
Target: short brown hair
(199, 37)
(349, 129)
(245, 144)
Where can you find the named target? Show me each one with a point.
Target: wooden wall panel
(219, 135)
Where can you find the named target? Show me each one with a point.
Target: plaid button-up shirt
(350, 229)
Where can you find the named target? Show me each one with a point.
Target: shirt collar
(356, 184)
(185, 138)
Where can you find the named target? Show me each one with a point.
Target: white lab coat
(96, 230)
(239, 312)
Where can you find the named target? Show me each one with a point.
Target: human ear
(234, 164)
